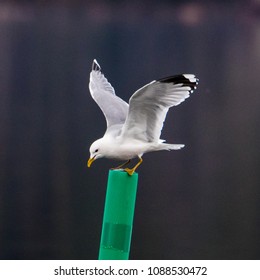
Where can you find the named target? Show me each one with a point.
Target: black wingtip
(184, 79)
(95, 66)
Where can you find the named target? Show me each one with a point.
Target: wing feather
(114, 108)
(149, 105)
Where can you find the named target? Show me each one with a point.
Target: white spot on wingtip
(95, 62)
(190, 77)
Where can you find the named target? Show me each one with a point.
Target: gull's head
(95, 151)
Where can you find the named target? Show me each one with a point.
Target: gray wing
(149, 105)
(113, 107)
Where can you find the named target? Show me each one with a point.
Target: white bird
(135, 129)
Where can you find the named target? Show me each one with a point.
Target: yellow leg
(131, 171)
(121, 165)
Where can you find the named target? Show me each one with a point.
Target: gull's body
(119, 149)
(135, 129)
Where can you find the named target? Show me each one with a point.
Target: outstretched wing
(149, 105)
(113, 107)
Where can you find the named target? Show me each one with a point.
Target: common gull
(135, 129)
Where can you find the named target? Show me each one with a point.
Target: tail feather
(172, 146)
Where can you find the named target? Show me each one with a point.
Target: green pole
(118, 216)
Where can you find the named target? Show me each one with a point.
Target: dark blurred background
(202, 202)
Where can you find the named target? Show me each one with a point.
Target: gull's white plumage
(135, 129)
(113, 107)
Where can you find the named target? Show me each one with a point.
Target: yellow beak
(90, 161)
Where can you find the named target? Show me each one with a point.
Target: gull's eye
(96, 150)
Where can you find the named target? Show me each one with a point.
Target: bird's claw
(130, 171)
